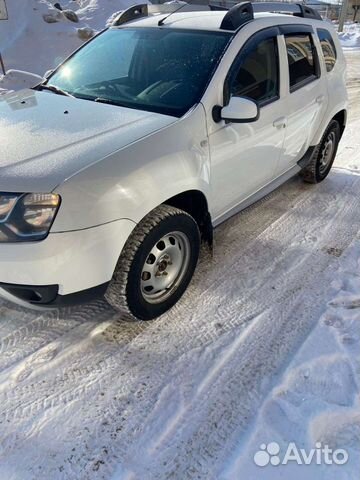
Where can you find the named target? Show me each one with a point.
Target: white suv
(118, 165)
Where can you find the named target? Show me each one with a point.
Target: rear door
(306, 99)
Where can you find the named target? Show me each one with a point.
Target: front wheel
(323, 156)
(156, 265)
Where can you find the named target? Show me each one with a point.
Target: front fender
(131, 182)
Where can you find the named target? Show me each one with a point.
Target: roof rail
(297, 9)
(242, 13)
(237, 16)
(145, 10)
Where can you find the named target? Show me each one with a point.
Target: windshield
(153, 69)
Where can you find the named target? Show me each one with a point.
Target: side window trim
(294, 29)
(303, 83)
(265, 34)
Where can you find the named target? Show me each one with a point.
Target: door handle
(320, 99)
(280, 122)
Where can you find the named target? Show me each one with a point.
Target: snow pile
(350, 37)
(38, 36)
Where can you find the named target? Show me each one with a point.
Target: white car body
(112, 165)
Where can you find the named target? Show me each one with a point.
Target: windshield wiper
(54, 89)
(107, 101)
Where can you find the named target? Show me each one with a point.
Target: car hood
(46, 138)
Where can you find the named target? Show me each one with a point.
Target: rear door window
(301, 59)
(328, 48)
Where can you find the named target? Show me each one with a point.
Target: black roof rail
(131, 13)
(243, 12)
(145, 10)
(238, 15)
(297, 9)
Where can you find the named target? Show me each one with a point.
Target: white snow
(350, 37)
(28, 42)
(317, 398)
(264, 347)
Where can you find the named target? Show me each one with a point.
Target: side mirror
(240, 110)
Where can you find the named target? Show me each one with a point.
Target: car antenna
(161, 22)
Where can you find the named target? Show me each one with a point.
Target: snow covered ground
(264, 349)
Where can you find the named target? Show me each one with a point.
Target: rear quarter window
(328, 48)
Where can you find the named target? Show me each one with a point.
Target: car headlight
(27, 217)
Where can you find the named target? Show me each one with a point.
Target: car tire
(156, 265)
(323, 156)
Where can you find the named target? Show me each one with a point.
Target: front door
(245, 156)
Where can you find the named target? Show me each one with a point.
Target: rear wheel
(324, 155)
(156, 265)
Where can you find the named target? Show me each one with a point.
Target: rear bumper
(65, 268)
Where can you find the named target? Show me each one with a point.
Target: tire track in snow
(65, 386)
(37, 398)
(36, 332)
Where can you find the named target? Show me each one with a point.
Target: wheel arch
(341, 118)
(195, 203)
(339, 114)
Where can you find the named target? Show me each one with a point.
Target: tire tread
(116, 292)
(308, 173)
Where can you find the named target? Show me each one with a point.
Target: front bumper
(68, 267)
(47, 296)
